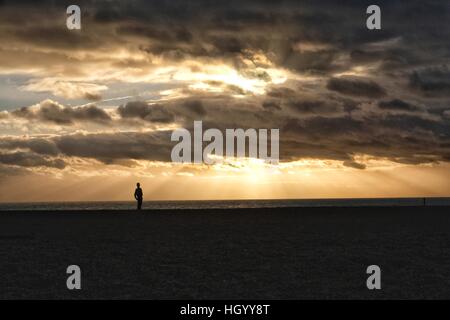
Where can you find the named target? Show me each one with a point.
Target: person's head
(138, 184)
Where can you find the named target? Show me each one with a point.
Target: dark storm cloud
(398, 105)
(27, 159)
(313, 107)
(315, 62)
(356, 87)
(281, 92)
(395, 137)
(301, 103)
(146, 32)
(52, 112)
(105, 147)
(410, 122)
(342, 25)
(361, 56)
(432, 82)
(58, 37)
(354, 164)
(271, 105)
(292, 150)
(144, 111)
(321, 127)
(122, 145)
(229, 30)
(37, 145)
(390, 59)
(195, 107)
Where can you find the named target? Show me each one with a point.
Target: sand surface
(289, 253)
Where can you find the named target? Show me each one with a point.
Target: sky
(85, 114)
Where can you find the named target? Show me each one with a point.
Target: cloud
(144, 111)
(446, 114)
(281, 92)
(353, 164)
(313, 62)
(313, 107)
(51, 111)
(106, 147)
(326, 128)
(12, 171)
(66, 89)
(356, 87)
(195, 107)
(300, 35)
(331, 127)
(334, 88)
(38, 145)
(56, 36)
(397, 137)
(271, 105)
(28, 159)
(397, 105)
(432, 82)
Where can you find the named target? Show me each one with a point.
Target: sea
(224, 204)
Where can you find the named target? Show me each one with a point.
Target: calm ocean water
(224, 204)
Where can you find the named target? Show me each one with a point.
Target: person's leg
(139, 204)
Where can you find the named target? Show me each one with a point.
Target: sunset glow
(84, 114)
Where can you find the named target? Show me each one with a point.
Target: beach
(269, 253)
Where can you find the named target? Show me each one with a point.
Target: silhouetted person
(138, 195)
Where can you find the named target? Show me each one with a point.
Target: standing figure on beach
(138, 195)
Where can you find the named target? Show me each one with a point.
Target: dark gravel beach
(288, 253)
